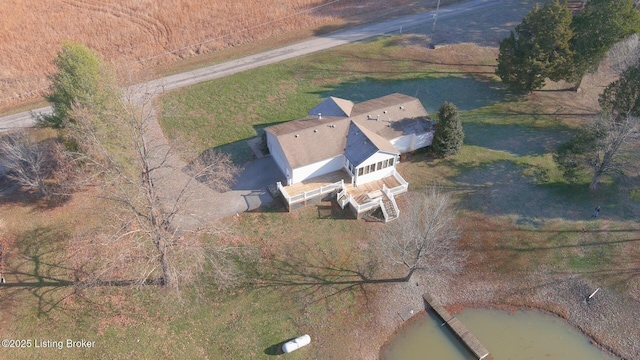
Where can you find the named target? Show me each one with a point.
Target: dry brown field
(135, 34)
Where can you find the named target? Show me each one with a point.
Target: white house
(359, 143)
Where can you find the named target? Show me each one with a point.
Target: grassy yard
(226, 112)
(519, 211)
(520, 216)
(248, 322)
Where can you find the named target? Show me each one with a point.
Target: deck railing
(366, 206)
(404, 185)
(309, 194)
(343, 198)
(389, 194)
(402, 188)
(384, 209)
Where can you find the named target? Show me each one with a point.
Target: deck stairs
(389, 207)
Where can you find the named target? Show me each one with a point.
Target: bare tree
(215, 169)
(425, 237)
(125, 148)
(624, 54)
(31, 163)
(604, 147)
(613, 138)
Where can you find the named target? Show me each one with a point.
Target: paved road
(315, 44)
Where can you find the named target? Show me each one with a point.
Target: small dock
(458, 328)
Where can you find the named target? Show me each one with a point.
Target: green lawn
(224, 113)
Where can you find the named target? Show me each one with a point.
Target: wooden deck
(317, 182)
(576, 6)
(360, 193)
(458, 328)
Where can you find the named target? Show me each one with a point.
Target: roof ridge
(378, 141)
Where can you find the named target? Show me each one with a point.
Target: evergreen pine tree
(449, 135)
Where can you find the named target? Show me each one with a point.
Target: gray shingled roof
(320, 139)
(392, 116)
(362, 143)
(310, 140)
(333, 106)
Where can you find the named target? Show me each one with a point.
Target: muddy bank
(609, 319)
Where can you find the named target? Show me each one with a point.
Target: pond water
(522, 335)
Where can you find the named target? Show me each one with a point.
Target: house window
(385, 163)
(360, 171)
(391, 162)
(379, 165)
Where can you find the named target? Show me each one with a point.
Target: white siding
(412, 142)
(402, 143)
(317, 169)
(378, 174)
(278, 155)
(423, 140)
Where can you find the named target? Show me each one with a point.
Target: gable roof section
(310, 140)
(392, 116)
(362, 144)
(333, 106)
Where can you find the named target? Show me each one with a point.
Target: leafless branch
(425, 237)
(614, 139)
(624, 54)
(33, 164)
(127, 151)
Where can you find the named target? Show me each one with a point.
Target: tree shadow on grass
(39, 266)
(12, 193)
(465, 92)
(36, 266)
(313, 276)
(505, 190)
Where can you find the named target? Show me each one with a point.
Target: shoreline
(511, 309)
(600, 321)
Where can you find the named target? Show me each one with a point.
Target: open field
(529, 235)
(140, 35)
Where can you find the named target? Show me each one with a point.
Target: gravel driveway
(249, 193)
